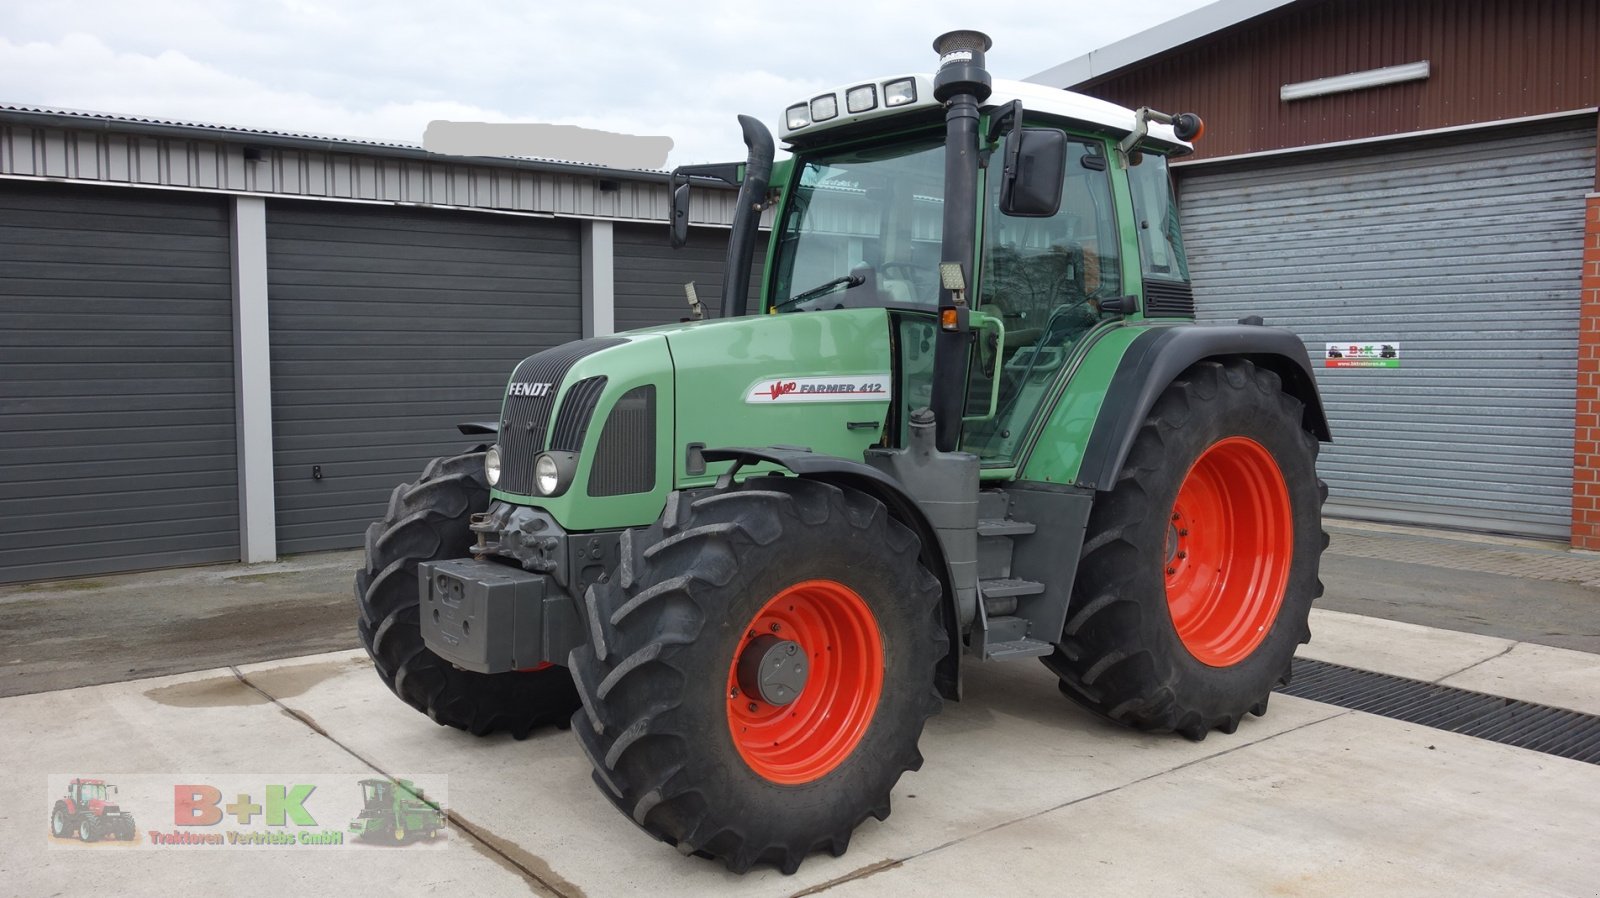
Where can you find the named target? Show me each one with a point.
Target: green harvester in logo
(396, 811)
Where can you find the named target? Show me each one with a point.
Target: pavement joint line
(1500, 654)
(892, 863)
(450, 815)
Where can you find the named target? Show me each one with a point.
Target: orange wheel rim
(1229, 544)
(805, 739)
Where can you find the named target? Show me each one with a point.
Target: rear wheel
(60, 826)
(760, 670)
(427, 521)
(1200, 566)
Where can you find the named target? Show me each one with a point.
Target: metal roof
(1152, 41)
(85, 120)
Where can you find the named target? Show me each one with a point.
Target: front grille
(625, 460)
(1168, 299)
(572, 422)
(524, 418)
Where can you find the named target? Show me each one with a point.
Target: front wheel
(760, 670)
(428, 521)
(1200, 565)
(86, 832)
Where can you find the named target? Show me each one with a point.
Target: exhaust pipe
(962, 83)
(747, 216)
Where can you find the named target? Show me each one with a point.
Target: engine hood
(624, 413)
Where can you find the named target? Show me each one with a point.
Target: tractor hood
(623, 416)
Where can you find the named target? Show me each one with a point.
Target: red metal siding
(1491, 60)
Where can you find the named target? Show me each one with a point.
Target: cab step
(1000, 594)
(1004, 527)
(1019, 648)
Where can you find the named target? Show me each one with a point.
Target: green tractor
(394, 811)
(749, 556)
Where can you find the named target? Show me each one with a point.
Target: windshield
(862, 228)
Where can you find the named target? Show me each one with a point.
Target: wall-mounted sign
(1362, 354)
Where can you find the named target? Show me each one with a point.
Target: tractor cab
(862, 227)
(89, 793)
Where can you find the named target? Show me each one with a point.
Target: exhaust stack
(962, 83)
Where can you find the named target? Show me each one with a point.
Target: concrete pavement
(1022, 792)
(105, 629)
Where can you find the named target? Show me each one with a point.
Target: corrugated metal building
(221, 344)
(1419, 177)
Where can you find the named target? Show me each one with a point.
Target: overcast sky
(385, 69)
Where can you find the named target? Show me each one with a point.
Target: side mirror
(1035, 172)
(680, 215)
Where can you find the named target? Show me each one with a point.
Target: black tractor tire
(428, 521)
(60, 821)
(88, 831)
(1121, 654)
(658, 711)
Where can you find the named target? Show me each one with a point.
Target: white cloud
(384, 70)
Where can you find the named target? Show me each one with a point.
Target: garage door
(650, 274)
(1466, 256)
(116, 382)
(390, 326)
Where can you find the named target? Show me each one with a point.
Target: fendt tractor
(396, 810)
(749, 554)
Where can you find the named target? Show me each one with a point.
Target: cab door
(1047, 281)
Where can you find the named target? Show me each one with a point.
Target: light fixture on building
(1338, 84)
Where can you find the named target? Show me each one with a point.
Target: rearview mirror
(680, 215)
(1035, 172)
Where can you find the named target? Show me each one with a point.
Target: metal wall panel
(1468, 254)
(1491, 60)
(116, 382)
(389, 327)
(98, 153)
(650, 274)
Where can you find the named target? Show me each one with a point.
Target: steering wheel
(907, 271)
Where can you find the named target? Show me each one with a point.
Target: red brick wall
(1586, 449)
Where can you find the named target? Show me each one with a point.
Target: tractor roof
(1035, 98)
(84, 782)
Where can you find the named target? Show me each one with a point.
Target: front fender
(902, 507)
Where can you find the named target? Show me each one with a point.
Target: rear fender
(1157, 357)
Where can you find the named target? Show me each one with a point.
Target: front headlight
(546, 475)
(491, 465)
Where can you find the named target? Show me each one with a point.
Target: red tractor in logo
(87, 813)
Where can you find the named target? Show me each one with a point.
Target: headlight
(491, 465)
(824, 107)
(899, 93)
(861, 99)
(798, 116)
(546, 475)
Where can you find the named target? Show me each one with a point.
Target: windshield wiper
(847, 281)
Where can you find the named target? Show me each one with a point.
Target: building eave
(1153, 41)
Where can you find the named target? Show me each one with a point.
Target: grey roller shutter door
(117, 443)
(389, 327)
(1466, 252)
(650, 274)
